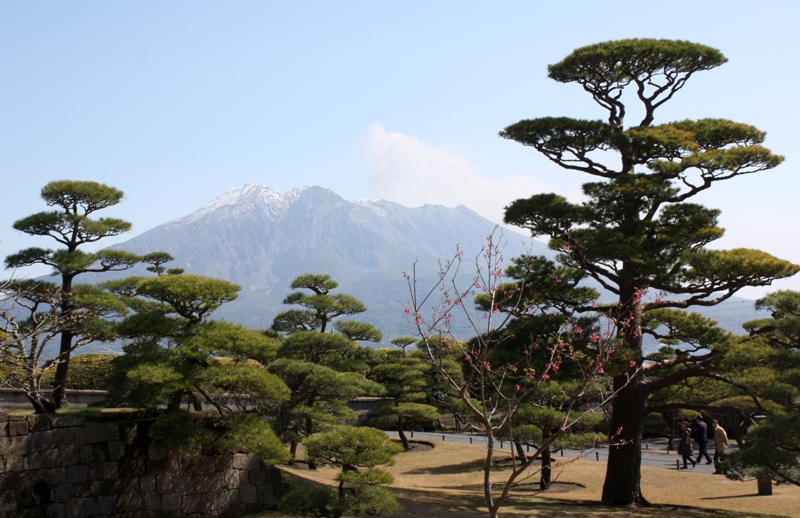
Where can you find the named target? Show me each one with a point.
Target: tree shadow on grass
(449, 469)
(554, 508)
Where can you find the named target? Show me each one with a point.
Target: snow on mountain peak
(240, 199)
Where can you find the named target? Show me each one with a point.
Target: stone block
(258, 477)
(38, 422)
(72, 435)
(266, 495)
(87, 456)
(38, 441)
(17, 428)
(11, 481)
(103, 432)
(155, 467)
(76, 474)
(147, 483)
(12, 446)
(130, 501)
(70, 455)
(52, 476)
(156, 454)
(172, 464)
(254, 508)
(90, 507)
(164, 484)
(3, 429)
(248, 494)
(56, 511)
(66, 421)
(231, 478)
(203, 465)
(86, 489)
(196, 504)
(226, 498)
(62, 493)
(105, 504)
(245, 461)
(100, 452)
(110, 471)
(197, 485)
(95, 471)
(224, 462)
(43, 459)
(131, 468)
(8, 502)
(129, 433)
(238, 510)
(108, 487)
(74, 508)
(116, 450)
(171, 503)
(152, 501)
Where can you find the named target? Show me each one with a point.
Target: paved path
(654, 451)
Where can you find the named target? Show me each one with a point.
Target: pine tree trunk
(67, 307)
(623, 472)
(60, 384)
(544, 483)
(293, 452)
(521, 452)
(401, 433)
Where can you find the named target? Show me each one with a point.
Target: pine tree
(71, 226)
(637, 231)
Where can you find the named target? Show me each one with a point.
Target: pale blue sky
(175, 102)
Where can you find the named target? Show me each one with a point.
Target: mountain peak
(274, 203)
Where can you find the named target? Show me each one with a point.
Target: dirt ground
(446, 481)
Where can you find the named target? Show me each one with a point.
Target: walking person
(720, 445)
(685, 446)
(701, 436)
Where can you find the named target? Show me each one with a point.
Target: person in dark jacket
(701, 436)
(685, 446)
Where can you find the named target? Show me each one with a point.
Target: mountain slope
(262, 239)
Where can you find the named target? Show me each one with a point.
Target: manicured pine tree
(637, 232)
(773, 352)
(72, 226)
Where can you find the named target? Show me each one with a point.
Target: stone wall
(73, 467)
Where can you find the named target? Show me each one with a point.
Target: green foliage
(250, 433)
(317, 502)
(173, 352)
(351, 448)
(371, 500)
(87, 372)
(318, 397)
(179, 431)
(773, 450)
(656, 426)
(72, 226)
(348, 448)
(636, 230)
(617, 63)
(773, 354)
(321, 307)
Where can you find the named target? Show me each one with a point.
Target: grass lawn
(446, 482)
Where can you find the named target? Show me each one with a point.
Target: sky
(176, 102)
